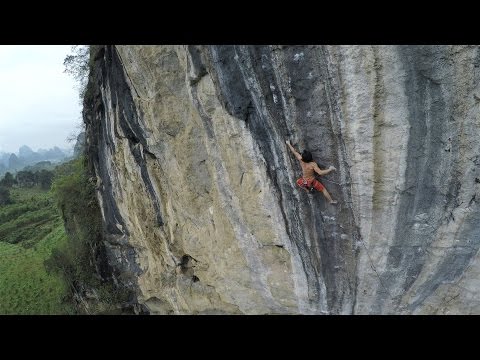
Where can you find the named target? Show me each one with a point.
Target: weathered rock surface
(198, 193)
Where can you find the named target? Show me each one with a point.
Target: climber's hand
(287, 142)
(332, 168)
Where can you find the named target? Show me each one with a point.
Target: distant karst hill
(27, 157)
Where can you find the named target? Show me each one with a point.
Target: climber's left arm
(323, 172)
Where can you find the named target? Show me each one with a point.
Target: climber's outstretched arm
(297, 155)
(323, 172)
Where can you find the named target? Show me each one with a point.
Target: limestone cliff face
(198, 192)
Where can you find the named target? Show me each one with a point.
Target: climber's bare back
(308, 169)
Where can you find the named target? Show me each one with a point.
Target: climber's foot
(333, 202)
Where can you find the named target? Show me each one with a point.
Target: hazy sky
(39, 104)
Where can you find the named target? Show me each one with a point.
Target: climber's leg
(329, 198)
(319, 186)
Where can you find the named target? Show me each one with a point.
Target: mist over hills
(26, 156)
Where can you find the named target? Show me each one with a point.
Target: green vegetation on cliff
(78, 258)
(30, 228)
(50, 245)
(75, 197)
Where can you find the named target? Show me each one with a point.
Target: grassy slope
(29, 230)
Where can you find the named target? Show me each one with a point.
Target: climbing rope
(372, 266)
(324, 179)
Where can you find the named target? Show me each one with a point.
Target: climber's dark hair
(307, 156)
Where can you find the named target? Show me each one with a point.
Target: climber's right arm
(292, 149)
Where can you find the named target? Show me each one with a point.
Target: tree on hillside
(44, 178)
(79, 147)
(77, 65)
(5, 196)
(26, 179)
(8, 180)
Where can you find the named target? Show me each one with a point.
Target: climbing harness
(306, 186)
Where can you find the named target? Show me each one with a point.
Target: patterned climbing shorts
(307, 184)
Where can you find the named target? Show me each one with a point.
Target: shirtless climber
(310, 167)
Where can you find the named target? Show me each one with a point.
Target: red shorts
(307, 184)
